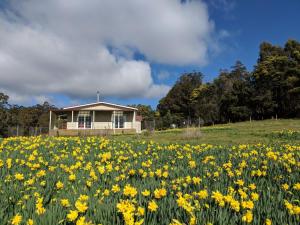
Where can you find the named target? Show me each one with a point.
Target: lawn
(226, 134)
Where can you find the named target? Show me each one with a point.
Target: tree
(276, 77)
(178, 101)
(205, 103)
(4, 117)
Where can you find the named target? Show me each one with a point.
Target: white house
(98, 118)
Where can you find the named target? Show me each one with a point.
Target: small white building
(98, 118)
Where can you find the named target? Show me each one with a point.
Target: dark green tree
(178, 102)
(4, 116)
(276, 79)
(227, 98)
(205, 103)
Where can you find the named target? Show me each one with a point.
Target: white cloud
(157, 90)
(76, 47)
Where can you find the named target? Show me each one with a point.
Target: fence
(27, 131)
(158, 124)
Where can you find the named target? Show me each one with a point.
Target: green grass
(226, 134)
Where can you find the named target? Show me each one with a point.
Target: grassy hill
(266, 131)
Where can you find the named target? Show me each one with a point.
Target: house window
(84, 120)
(80, 121)
(119, 120)
(88, 122)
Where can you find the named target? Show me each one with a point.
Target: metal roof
(96, 104)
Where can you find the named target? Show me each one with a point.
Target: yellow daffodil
(19, 176)
(59, 185)
(247, 217)
(81, 206)
(152, 206)
(268, 222)
(65, 202)
(72, 215)
(17, 219)
(130, 191)
(146, 193)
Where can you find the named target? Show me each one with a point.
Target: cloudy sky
(132, 51)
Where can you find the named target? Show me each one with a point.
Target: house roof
(78, 107)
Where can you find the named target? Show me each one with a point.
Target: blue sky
(248, 23)
(137, 58)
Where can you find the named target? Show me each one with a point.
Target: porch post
(114, 123)
(50, 120)
(72, 116)
(133, 119)
(93, 119)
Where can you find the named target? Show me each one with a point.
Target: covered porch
(94, 119)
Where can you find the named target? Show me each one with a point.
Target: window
(84, 120)
(88, 122)
(80, 121)
(119, 119)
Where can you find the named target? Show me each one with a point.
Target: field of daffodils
(46, 180)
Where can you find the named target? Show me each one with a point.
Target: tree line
(270, 90)
(13, 116)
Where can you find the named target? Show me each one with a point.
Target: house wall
(89, 132)
(138, 126)
(129, 116)
(101, 125)
(75, 114)
(70, 124)
(103, 116)
(128, 123)
(102, 120)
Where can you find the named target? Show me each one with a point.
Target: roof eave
(78, 107)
